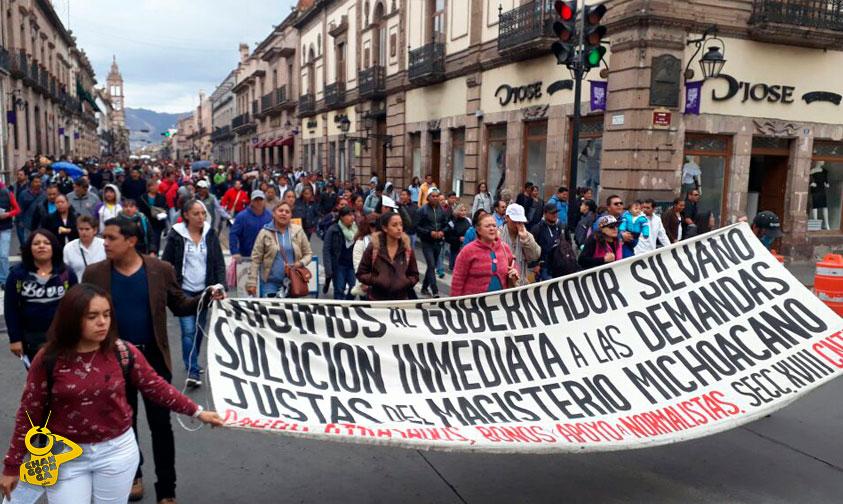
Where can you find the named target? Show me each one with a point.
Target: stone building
(222, 113)
(118, 134)
(47, 84)
(468, 91)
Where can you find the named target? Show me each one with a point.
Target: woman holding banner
(603, 246)
(280, 245)
(388, 266)
(486, 264)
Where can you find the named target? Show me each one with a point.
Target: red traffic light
(566, 10)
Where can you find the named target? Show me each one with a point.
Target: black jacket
(455, 232)
(174, 254)
(327, 202)
(332, 246)
(408, 216)
(143, 206)
(52, 223)
(308, 212)
(429, 219)
(39, 217)
(562, 260)
(547, 236)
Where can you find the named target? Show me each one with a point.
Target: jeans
(22, 233)
(343, 276)
(452, 258)
(158, 418)
(189, 335)
(267, 288)
(413, 241)
(5, 244)
(440, 257)
(104, 470)
(432, 251)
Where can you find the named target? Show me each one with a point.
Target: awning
(286, 141)
(261, 145)
(274, 142)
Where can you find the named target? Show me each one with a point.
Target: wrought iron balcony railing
(240, 121)
(267, 102)
(427, 63)
(371, 81)
(280, 95)
(18, 64)
(335, 94)
(221, 134)
(819, 14)
(306, 104)
(524, 28)
(255, 108)
(4, 58)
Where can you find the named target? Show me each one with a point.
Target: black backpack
(121, 351)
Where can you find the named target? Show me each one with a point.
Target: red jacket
(229, 198)
(169, 191)
(473, 269)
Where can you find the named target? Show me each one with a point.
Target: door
(435, 152)
(773, 185)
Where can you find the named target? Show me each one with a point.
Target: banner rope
(198, 329)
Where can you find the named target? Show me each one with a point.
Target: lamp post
(713, 60)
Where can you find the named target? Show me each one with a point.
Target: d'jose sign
(693, 339)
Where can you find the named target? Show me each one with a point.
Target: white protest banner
(683, 342)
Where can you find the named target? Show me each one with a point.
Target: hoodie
(103, 211)
(197, 265)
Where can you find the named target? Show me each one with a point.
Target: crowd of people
(107, 249)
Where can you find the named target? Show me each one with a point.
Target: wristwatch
(199, 410)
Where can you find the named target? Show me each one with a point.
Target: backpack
(121, 351)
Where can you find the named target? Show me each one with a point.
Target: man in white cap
(523, 245)
(215, 213)
(244, 232)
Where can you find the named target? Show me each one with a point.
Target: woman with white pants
(84, 365)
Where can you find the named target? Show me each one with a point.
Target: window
(415, 145)
(705, 168)
(535, 154)
(305, 157)
(332, 157)
(352, 156)
(341, 62)
(496, 139)
(825, 189)
(438, 19)
(458, 161)
(589, 149)
(341, 171)
(319, 158)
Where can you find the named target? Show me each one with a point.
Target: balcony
(4, 58)
(241, 123)
(335, 94)
(283, 100)
(371, 82)
(17, 64)
(307, 105)
(427, 63)
(267, 102)
(524, 30)
(54, 89)
(809, 23)
(31, 78)
(45, 80)
(221, 134)
(255, 108)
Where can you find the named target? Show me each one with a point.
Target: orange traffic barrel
(777, 256)
(828, 282)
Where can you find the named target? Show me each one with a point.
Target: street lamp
(17, 100)
(713, 60)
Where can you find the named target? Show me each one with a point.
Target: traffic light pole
(579, 70)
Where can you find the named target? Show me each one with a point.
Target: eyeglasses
(618, 203)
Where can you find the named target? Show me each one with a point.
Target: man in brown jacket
(672, 220)
(142, 287)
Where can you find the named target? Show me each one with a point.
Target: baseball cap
(769, 222)
(516, 213)
(388, 202)
(608, 221)
(551, 208)
(432, 190)
(257, 193)
(203, 184)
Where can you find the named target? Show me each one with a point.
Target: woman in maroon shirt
(88, 401)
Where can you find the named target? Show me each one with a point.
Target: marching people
(767, 227)
(272, 197)
(587, 215)
(337, 252)
(536, 209)
(672, 220)
(388, 267)
(634, 222)
(87, 249)
(357, 205)
(235, 199)
(142, 288)
(365, 230)
(486, 264)
(154, 206)
(431, 222)
(524, 248)
(547, 234)
(705, 222)
(604, 246)
(215, 213)
(373, 201)
(424, 189)
(280, 246)
(45, 208)
(242, 235)
(483, 199)
(500, 212)
(193, 249)
(83, 199)
(134, 186)
(9, 210)
(455, 233)
(560, 199)
(29, 199)
(109, 207)
(130, 212)
(33, 291)
(657, 235)
(471, 233)
(307, 210)
(69, 388)
(329, 218)
(62, 222)
(414, 188)
(408, 210)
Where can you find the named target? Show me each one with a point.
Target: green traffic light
(595, 55)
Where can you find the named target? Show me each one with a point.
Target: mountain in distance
(155, 122)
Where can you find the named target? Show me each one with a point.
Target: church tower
(115, 94)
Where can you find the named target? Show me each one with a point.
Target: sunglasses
(618, 203)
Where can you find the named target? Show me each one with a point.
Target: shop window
(319, 158)
(535, 155)
(496, 141)
(458, 161)
(342, 168)
(705, 168)
(332, 157)
(352, 156)
(589, 149)
(825, 189)
(415, 144)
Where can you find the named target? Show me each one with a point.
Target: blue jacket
(563, 209)
(245, 231)
(29, 204)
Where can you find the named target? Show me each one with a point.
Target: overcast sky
(168, 50)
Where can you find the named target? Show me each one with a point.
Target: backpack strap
(125, 358)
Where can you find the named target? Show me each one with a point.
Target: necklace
(90, 362)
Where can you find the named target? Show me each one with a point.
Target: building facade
(47, 84)
(222, 113)
(468, 91)
(118, 135)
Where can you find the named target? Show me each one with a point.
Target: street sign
(661, 118)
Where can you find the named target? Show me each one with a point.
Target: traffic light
(166, 134)
(593, 51)
(566, 31)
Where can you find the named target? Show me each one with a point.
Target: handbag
(299, 275)
(231, 275)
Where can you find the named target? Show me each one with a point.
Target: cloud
(168, 50)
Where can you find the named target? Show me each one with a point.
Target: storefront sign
(695, 338)
(661, 118)
(773, 93)
(518, 94)
(618, 120)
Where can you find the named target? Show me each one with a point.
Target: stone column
(396, 167)
(472, 130)
(795, 218)
(445, 168)
(514, 154)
